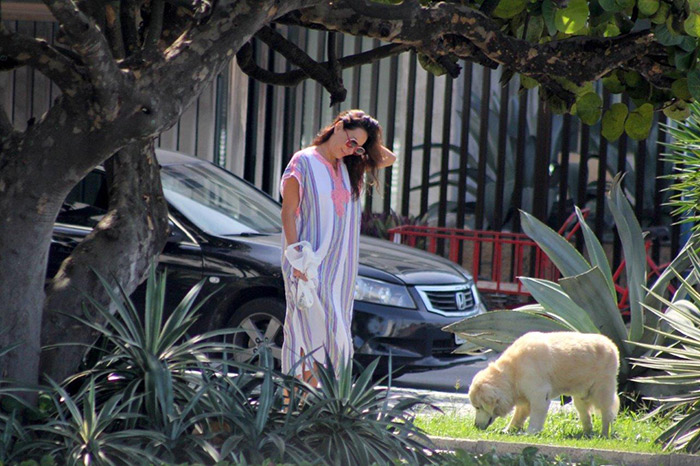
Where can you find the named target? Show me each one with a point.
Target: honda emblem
(461, 299)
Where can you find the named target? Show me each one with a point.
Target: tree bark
(120, 248)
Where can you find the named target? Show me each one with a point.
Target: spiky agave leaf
(360, 423)
(675, 357)
(83, 431)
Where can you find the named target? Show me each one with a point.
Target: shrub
(159, 397)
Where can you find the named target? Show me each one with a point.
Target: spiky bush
(158, 396)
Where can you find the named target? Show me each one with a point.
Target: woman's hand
(298, 274)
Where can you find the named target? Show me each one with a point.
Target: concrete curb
(611, 457)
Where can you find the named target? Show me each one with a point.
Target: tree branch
(228, 27)
(85, 38)
(653, 71)
(127, 15)
(38, 54)
(294, 77)
(404, 11)
(155, 26)
(325, 73)
(113, 29)
(428, 25)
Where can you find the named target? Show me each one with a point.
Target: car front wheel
(261, 321)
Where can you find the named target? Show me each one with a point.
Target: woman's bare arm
(290, 204)
(388, 158)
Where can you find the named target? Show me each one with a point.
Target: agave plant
(171, 400)
(357, 422)
(584, 299)
(675, 362)
(156, 367)
(83, 432)
(685, 156)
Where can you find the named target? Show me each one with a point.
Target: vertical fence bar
(268, 161)
(290, 104)
(408, 139)
(541, 187)
(464, 147)
(338, 44)
(660, 184)
(464, 153)
(563, 212)
(640, 168)
(251, 126)
(445, 152)
(373, 110)
(221, 117)
(622, 146)
(602, 177)
(319, 106)
(501, 157)
(483, 150)
(520, 159)
(445, 158)
(427, 141)
(390, 126)
(356, 75)
(582, 195)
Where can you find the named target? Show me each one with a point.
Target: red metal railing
(497, 259)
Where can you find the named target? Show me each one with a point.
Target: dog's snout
(482, 420)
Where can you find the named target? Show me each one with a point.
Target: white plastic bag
(302, 257)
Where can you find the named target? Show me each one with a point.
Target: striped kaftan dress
(328, 218)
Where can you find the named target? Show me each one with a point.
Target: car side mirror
(176, 235)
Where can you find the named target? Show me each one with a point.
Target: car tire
(261, 321)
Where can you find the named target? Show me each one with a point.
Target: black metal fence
(473, 150)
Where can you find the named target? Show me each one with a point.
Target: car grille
(453, 300)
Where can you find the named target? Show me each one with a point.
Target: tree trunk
(120, 248)
(25, 236)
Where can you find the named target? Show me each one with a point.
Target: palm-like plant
(685, 156)
(675, 361)
(151, 359)
(584, 299)
(358, 422)
(169, 399)
(83, 432)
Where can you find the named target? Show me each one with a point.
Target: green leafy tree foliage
(549, 28)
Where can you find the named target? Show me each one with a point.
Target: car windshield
(218, 202)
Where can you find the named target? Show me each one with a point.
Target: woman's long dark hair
(358, 166)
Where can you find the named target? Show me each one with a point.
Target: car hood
(410, 265)
(395, 263)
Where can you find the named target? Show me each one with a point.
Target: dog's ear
(502, 401)
(483, 396)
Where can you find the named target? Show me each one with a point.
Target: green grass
(631, 431)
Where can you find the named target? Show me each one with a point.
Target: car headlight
(375, 291)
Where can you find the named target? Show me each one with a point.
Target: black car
(227, 231)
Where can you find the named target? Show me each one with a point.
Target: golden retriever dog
(539, 367)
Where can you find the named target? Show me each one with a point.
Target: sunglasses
(352, 143)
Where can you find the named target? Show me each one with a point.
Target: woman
(321, 189)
